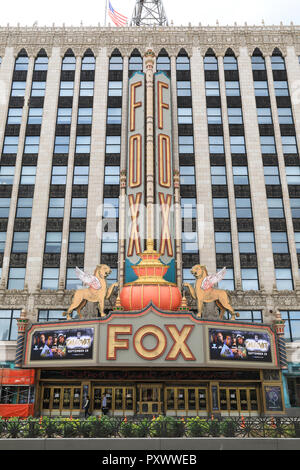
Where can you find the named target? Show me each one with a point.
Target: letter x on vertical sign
(134, 240)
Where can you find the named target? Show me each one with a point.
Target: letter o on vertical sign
(159, 348)
(135, 161)
(164, 160)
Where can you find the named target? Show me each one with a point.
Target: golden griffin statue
(203, 291)
(96, 292)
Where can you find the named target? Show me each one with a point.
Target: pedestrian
(104, 404)
(86, 407)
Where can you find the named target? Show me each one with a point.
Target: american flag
(117, 18)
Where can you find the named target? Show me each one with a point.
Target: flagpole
(105, 15)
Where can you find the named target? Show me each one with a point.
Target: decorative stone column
(22, 324)
(279, 329)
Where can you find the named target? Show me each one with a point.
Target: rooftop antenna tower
(149, 13)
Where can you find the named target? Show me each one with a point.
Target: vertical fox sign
(164, 174)
(135, 174)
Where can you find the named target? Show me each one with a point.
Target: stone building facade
(236, 135)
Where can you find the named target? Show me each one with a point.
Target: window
(72, 281)
(81, 175)
(281, 88)
(16, 278)
(109, 242)
(53, 242)
(252, 316)
(210, 63)
(289, 144)
(186, 144)
(163, 63)
(240, 175)
(50, 278)
(188, 208)
(111, 207)
(20, 242)
(66, 88)
(227, 282)
(271, 175)
(261, 88)
(230, 63)
(64, 115)
(85, 116)
(235, 116)
(50, 315)
(8, 325)
(267, 143)
(279, 242)
(18, 88)
(56, 207)
(184, 88)
(14, 115)
(291, 325)
(243, 207)
(41, 63)
(88, 63)
(258, 63)
(285, 116)
(277, 63)
(187, 275)
(187, 175)
(4, 207)
(216, 144)
(237, 144)
(114, 88)
(185, 116)
(83, 144)
(136, 63)
(284, 280)
(214, 116)
(7, 174)
(61, 144)
(275, 207)
(59, 175)
(35, 115)
(246, 242)
(112, 175)
(112, 277)
(21, 63)
(28, 175)
(32, 144)
(10, 144)
(38, 88)
(76, 242)
(69, 63)
(218, 175)
(295, 206)
(182, 63)
(189, 242)
(212, 88)
(232, 88)
(264, 115)
(116, 63)
(114, 115)
(113, 144)
(79, 207)
(2, 241)
(87, 88)
(24, 207)
(292, 174)
(223, 242)
(220, 208)
(249, 279)
(297, 241)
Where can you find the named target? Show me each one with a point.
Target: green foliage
(214, 428)
(167, 426)
(32, 428)
(2, 426)
(101, 426)
(13, 427)
(197, 427)
(49, 426)
(228, 428)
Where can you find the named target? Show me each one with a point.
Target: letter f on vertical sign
(161, 104)
(134, 240)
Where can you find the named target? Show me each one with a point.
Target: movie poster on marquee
(239, 346)
(62, 344)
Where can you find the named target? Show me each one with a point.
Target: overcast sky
(71, 12)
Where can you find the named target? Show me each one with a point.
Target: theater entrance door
(150, 399)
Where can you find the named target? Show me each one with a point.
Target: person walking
(86, 407)
(104, 404)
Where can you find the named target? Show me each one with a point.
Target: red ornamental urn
(150, 286)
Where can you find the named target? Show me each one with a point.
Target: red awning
(17, 376)
(22, 411)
